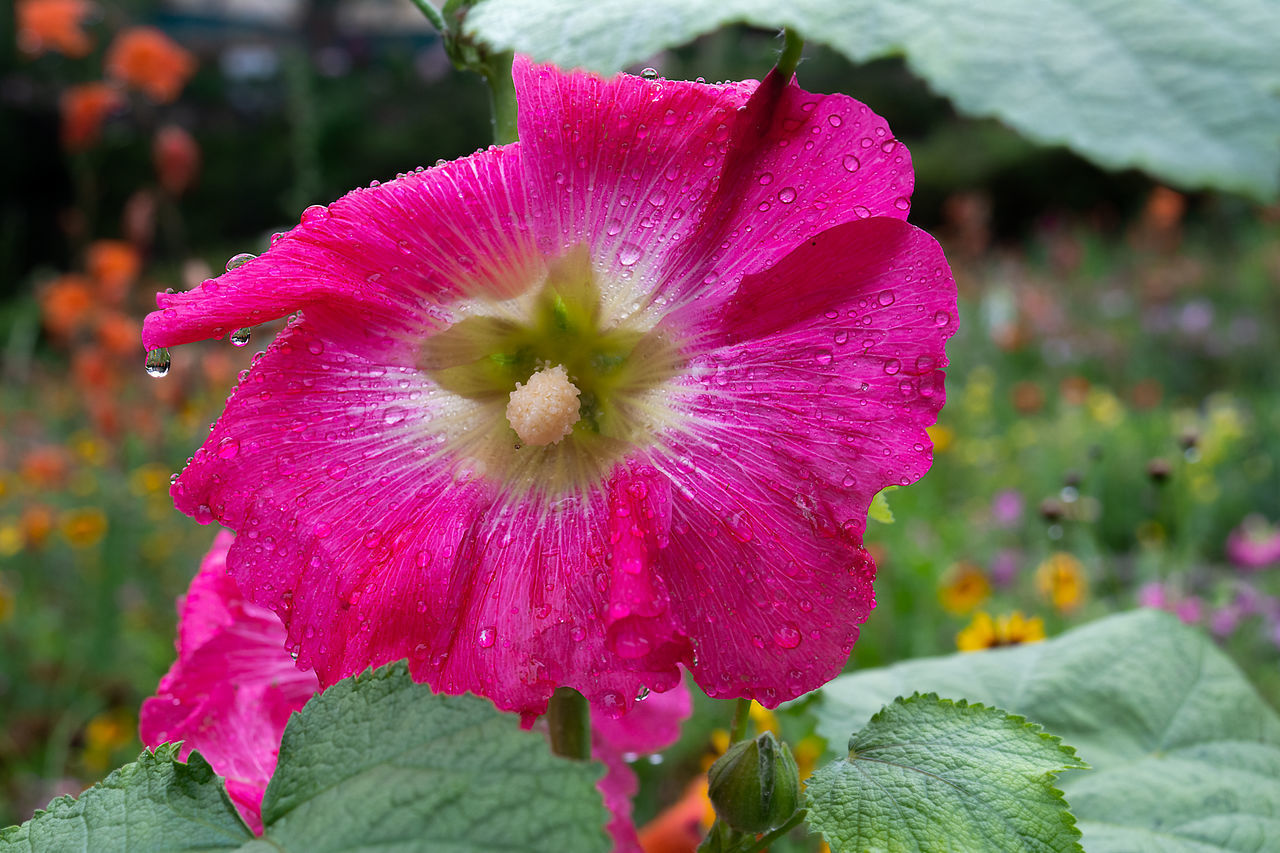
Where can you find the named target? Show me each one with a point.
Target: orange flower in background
(120, 334)
(1061, 580)
(37, 524)
(66, 304)
(963, 587)
(176, 157)
(44, 467)
(114, 265)
(150, 61)
(83, 528)
(53, 25)
(84, 109)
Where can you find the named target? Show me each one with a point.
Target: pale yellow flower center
(543, 410)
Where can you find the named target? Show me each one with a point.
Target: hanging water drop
(239, 260)
(157, 363)
(240, 337)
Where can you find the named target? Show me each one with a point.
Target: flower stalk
(792, 47)
(569, 721)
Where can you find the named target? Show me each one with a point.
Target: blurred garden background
(1111, 438)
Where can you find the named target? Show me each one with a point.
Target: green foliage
(376, 761)
(1185, 754)
(879, 509)
(931, 774)
(1188, 94)
(156, 803)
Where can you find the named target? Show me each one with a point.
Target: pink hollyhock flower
(1255, 544)
(231, 691)
(589, 406)
(650, 726)
(232, 688)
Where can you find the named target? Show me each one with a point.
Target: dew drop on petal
(892, 366)
(315, 213)
(902, 203)
(628, 254)
(487, 636)
(834, 120)
(822, 356)
(851, 163)
(942, 318)
(787, 636)
(239, 260)
(157, 362)
(240, 337)
(649, 74)
(337, 471)
(786, 195)
(885, 298)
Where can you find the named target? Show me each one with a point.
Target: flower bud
(755, 786)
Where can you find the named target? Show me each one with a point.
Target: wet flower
(53, 25)
(1061, 580)
(84, 108)
(722, 277)
(150, 61)
(1011, 629)
(962, 587)
(232, 688)
(1255, 544)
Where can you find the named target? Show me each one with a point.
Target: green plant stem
(792, 47)
(741, 716)
(569, 720)
(502, 96)
(431, 13)
(763, 842)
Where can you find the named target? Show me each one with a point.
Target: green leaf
(1187, 91)
(931, 774)
(378, 762)
(879, 509)
(154, 804)
(1186, 755)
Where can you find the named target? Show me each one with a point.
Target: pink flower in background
(232, 688)
(650, 726)
(588, 407)
(1255, 544)
(1006, 508)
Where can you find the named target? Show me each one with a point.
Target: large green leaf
(1187, 90)
(931, 774)
(156, 803)
(1186, 755)
(378, 762)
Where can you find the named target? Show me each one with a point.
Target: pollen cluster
(543, 410)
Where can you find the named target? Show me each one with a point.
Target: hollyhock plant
(231, 691)
(584, 408)
(232, 688)
(1255, 544)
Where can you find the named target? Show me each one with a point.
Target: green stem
(502, 96)
(569, 719)
(431, 13)
(763, 842)
(792, 47)
(741, 716)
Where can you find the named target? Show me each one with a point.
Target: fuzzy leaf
(931, 774)
(157, 803)
(1186, 755)
(1185, 89)
(378, 762)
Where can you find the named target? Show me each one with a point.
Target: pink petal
(231, 690)
(378, 264)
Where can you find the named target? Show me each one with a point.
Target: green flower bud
(755, 786)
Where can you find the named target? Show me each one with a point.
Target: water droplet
(239, 260)
(157, 363)
(337, 471)
(822, 356)
(649, 74)
(834, 120)
(315, 347)
(902, 203)
(787, 635)
(628, 254)
(766, 179)
(315, 213)
(892, 366)
(885, 298)
(614, 228)
(786, 195)
(240, 337)
(851, 163)
(487, 636)
(942, 318)
(228, 449)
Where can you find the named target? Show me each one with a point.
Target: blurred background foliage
(1111, 437)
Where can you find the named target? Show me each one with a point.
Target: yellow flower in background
(90, 450)
(1008, 630)
(149, 480)
(11, 539)
(962, 587)
(942, 437)
(83, 528)
(105, 734)
(1061, 580)
(1104, 407)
